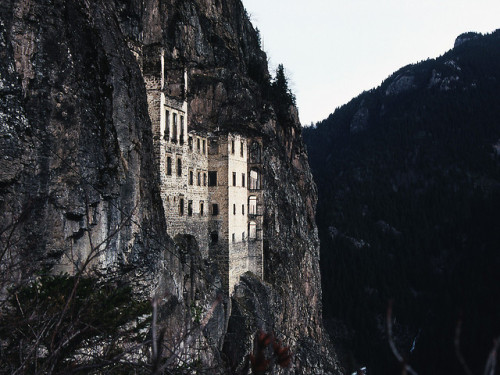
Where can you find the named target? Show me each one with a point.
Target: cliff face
(78, 170)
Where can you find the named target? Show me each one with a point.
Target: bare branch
(492, 358)
(458, 352)
(406, 368)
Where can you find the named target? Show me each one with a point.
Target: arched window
(252, 230)
(252, 205)
(254, 180)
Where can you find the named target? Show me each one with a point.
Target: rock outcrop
(77, 168)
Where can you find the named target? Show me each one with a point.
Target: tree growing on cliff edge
(281, 95)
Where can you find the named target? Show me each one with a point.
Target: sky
(333, 50)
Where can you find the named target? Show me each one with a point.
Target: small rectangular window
(190, 177)
(243, 209)
(198, 178)
(179, 167)
(198, 144)
(234, 238)
(174, 127)
(181, 140)
(213, 146)
(190, 143)
(234, 209)
(204, 147)
(234, 178)
(169, 166)
(232, 146)
(166, 133)
(201, 208)
(190, 208)
(204, 179)
(212, 178)
(243, 236)
(243, 179)
(181, 206)
(215, 209)
(241, 149)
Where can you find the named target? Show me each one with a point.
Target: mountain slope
(408, 176)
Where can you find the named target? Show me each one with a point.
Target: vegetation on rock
(408, 176)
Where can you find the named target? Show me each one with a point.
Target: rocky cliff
(78, 175)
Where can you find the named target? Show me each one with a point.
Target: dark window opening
(166, 133)
(204, 179)
(198, 144)
(232, 146)
(201, 208)
(234, 178)
(241, 149)
(190, 208)
(212, 178)
(234, 209)
(243, 179)
(214, 238)
(169, 166)
(174, 127)
(204, 147)
(179, 167)
(215, 209)
(190, 177)
(199, 179)
(213, 146)
(243, 209)
(190, 143)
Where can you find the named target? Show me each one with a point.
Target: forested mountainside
(79, 192)
(408, 178)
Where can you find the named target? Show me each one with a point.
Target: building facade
(210, 184)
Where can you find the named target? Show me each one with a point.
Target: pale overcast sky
(333, 50)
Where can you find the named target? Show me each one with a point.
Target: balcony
(255, 210)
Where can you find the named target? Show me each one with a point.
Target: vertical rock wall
(77, 156)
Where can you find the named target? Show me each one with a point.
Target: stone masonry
(210, 183)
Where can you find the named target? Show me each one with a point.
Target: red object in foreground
(280, 354)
